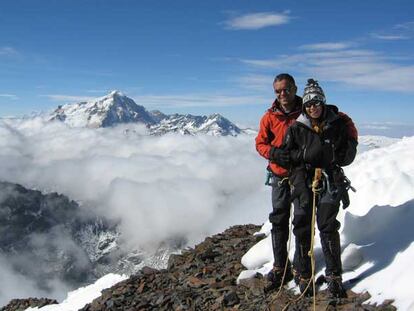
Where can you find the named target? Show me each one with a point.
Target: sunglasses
(286, 90)
(312, 103)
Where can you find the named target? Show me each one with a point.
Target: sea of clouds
(157, 187)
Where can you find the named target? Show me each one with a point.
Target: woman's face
(314, 111)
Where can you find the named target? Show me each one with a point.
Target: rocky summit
(204, 278)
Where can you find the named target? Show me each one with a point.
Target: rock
(231, 299)
(204, 278)
(23, 304)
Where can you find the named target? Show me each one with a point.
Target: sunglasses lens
(287, 91)
(313, 103)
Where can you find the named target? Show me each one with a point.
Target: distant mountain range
(116, 108)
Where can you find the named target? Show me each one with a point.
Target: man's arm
(264, 138)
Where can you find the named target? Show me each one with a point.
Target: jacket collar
(278, 110)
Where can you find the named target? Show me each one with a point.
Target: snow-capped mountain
(106, 111)
(116, 108)
(214, 124)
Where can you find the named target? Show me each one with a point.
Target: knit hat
(313, 92)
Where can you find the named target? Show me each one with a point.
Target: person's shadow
(383, 232)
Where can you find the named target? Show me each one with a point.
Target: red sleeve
(263, 138)
(351, 129)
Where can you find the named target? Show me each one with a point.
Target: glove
(280, 156)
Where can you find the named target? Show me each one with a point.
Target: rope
(316, 190)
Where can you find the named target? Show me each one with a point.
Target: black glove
(280, 156)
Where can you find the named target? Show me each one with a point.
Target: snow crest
(377, 233)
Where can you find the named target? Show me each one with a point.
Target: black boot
(306, 287)
(277, 276)
(335, 286)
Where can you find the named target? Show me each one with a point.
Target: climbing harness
(270, 179)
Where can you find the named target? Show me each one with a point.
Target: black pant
(279, 217)
(327, 208)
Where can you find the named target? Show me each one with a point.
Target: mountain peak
(115, 93)
(109, 110)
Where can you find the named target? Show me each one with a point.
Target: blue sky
(210, 56)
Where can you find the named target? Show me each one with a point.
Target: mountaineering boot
(306, 287)
(335, 286)
(275, 277)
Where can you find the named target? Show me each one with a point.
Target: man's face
(285, 93)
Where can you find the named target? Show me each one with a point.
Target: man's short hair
(284, 76)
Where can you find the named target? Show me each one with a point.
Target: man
(273, 126)
(318, 141)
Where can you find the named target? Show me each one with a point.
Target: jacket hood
(278, 110)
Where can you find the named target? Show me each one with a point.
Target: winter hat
(313, 92)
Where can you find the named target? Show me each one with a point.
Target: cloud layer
(160, 187)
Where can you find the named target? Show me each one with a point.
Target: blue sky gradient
(210, 56)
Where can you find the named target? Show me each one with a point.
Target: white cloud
(389, 37)
(402, 31)
(363, 68)
(8, 51)
(160, 187)
(327, 46)
(19, 286)
(10, 96)
(258, 20)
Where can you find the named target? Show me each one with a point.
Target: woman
(319, 139)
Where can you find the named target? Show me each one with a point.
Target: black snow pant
(327, 208)
(279, 218)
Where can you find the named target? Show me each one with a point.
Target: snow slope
(77, 299)
(377, 232)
